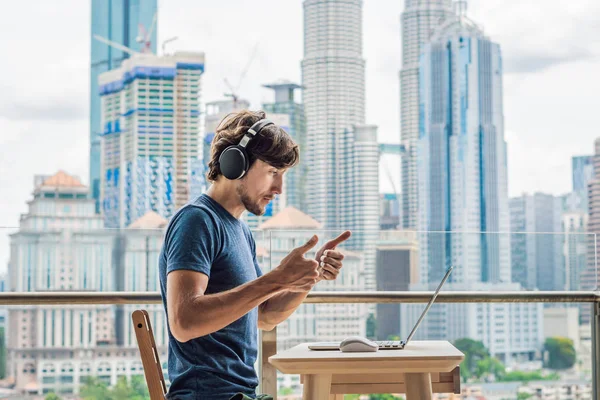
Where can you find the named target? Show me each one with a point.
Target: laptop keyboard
(389, 344)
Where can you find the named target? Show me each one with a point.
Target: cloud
(536, 35)
(53, 107)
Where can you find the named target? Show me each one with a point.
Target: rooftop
(290, 218)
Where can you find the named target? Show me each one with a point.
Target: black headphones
(234, 161)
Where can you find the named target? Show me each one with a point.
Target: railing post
(268, 373)
(596, 350)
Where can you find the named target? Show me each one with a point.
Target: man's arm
(278, 308)
(193, 314)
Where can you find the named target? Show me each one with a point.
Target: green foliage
(384, 397)
(285, 391)
(489, 366)
(561, 353)
(522, 376)
(94, 389)
(523, 396)
(474, 352)
(52, 396)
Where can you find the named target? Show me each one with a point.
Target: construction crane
(144, 37)
(233, 91)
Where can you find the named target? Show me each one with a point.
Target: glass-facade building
(462, 157)
(118, 21)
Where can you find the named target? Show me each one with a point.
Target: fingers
(309, 245)
(334, 254)
(331, 261)
(340, 239)
(329, 272)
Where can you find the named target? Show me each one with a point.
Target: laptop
(389, 344)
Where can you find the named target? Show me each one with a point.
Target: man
(214, 293)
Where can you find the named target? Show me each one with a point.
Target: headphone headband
(234, 161)
(254, 130)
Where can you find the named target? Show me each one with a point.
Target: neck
(224, 193)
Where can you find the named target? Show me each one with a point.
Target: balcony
(79, 327)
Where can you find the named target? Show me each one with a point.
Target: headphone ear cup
(233, 162)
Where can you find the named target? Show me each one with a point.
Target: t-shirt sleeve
(193, 242)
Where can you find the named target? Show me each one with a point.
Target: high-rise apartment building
(418, 22)
(118, 21)
(151, 135)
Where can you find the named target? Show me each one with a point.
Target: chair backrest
(149, 353)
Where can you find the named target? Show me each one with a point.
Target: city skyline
(31, 107)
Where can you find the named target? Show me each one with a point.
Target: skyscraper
(151, 136)
(333, 78)
(118, 21)
(463, 195)
(536, 241)
(341, 151)
(419, 20)
(462, 157)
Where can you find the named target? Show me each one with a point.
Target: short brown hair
(272, 145)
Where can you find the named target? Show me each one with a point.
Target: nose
(277, 186)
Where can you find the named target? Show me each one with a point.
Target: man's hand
(296, 273)
(330, 259)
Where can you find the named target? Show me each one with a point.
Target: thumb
(308, 245)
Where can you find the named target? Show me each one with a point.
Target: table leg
(316, 387)
(336, 397)
(418, 386)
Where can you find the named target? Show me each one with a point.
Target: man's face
(259, 186)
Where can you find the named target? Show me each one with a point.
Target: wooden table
(421, 368)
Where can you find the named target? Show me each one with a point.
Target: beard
(253, 206)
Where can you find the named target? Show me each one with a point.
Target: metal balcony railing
(268, 342)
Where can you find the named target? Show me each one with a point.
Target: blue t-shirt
(204, 237)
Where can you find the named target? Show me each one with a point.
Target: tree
(94, 389)
(140, 388)
(123, 390)
(52, 396)
(490, 366)
(561, 353)
(384, 397)
(474, 352)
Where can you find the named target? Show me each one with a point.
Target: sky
(551, 53)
